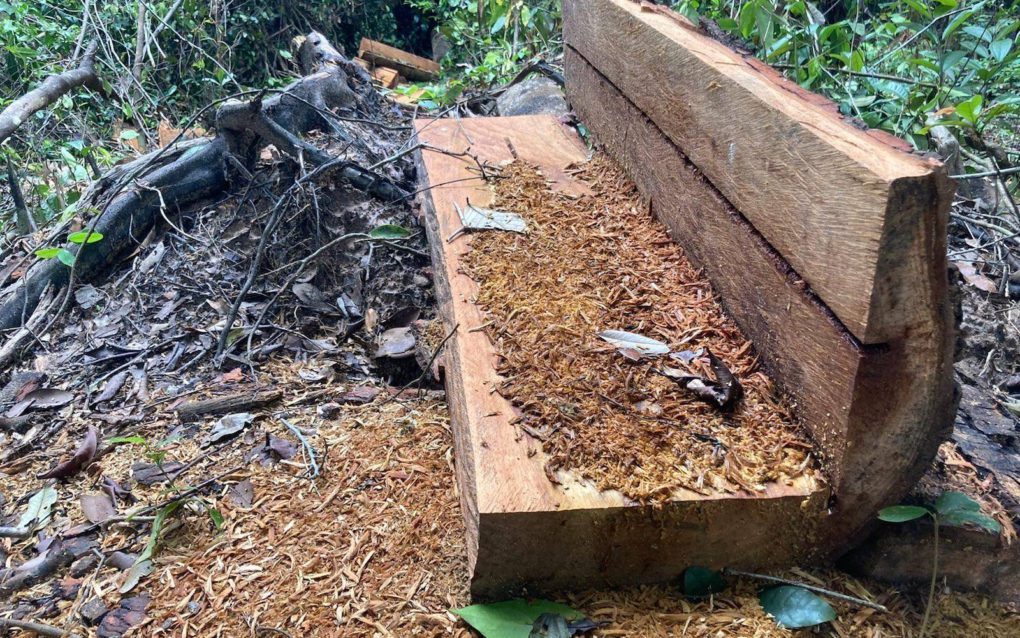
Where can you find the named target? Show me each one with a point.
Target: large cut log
(878, 410)
(525, 531)
(833, 199)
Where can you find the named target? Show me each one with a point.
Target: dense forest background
(899, 65)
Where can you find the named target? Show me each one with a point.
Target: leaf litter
(598, 270)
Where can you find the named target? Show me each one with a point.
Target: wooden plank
(826, 195)
(588, 538)
(878, 412)
(411, 66)
(386, 77)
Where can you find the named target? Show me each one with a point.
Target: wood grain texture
(878, 412)
(588, 538)
(826, 195)
(411, 66)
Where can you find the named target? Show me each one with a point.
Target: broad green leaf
(66, 257)
(951, 502)
(700, 582)
(796, 607)
(958, 22)
(969, 109)
(902, 513)
(857, 61)
(80, 236)
(47, 253)
(215, 516)
(389, 231)
(919, 7)
(864, 100)
(959, 518)
(1000, 49)
(956, 508)
(512, 618)
(128, 134)
(729, 24)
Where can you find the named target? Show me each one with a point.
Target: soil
(601, 262)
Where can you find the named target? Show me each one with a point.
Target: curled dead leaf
(723, 392)
(80, 460)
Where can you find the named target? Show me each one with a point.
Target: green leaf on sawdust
(512, 618)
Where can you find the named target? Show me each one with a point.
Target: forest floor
(329, 506)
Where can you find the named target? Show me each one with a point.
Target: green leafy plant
(64, 255)
(513, 618)
(891, 63)
(951, 508)
(490, 42)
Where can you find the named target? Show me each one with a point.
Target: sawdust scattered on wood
(602, 262)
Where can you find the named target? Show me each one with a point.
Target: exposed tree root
(133, 197)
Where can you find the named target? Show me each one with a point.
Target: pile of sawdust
(373, 547)
(602, 262)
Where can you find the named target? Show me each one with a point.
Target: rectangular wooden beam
(827, 196)
(527, 533)
(412, 67)
(878, 412)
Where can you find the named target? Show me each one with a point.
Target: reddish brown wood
(409, 65)
(525, 532)
(826, 195)
(878, 412)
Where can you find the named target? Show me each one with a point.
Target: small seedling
(952, 508)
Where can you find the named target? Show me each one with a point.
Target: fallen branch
(51, 89)
(313, 471)
(38, 628)
(41, 567)
(223, 405)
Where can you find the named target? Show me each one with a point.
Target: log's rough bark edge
(48, 92)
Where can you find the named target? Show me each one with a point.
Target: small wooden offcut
(410, 66)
